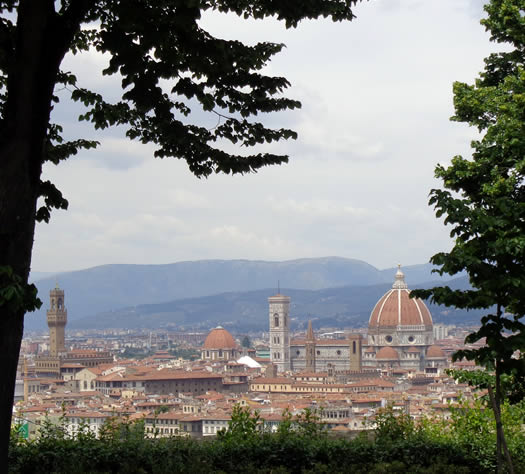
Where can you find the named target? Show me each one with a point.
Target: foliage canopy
(484, 197)
(463, 444)
(484, 201)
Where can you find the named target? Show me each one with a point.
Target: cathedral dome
(219, 338)
(395, 308)
(387, 353)
(435, 352)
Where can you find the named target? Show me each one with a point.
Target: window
(276, 320)
(353, 347)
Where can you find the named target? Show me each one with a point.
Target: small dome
(435, 352)
(396, 308)
(219, 338)
(387, 353)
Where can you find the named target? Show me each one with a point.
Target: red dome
(387, 353)
(219, 338)
(435, 352)
(396, 308)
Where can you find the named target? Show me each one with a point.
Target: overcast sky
(376, 95)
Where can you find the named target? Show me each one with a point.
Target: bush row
(276, 453)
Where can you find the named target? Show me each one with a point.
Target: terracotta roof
(366, 400)
(219, 338)
(387, 353)
(310, 374)
(177, 375)
(272, 380)
(435, 351)
(171, 415)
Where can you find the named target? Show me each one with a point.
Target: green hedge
(463, 444)
(265, 453)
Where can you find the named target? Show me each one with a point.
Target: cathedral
(400, 335)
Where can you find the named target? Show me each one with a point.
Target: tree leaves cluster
(169, 67)
(483, 200)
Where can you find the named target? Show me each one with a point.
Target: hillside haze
(246, 311)
(109, 288)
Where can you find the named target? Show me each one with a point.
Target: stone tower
(56, 321)
(356, 348)
(280, 331)
(310, 348)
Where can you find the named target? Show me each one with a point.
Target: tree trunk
(18, 196)
(32, 73)
(500, 434)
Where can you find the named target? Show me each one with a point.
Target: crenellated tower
(280, 331)
(56, 321)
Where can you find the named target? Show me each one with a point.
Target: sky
(376, 99)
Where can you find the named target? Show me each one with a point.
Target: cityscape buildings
(350, 375)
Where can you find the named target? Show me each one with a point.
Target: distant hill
(110, 287)
(244, 311)
(35, 276)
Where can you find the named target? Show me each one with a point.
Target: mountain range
(332, 291)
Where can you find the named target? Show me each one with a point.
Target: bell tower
(280, 331)
(356, 350)
(56, 321)
(310, 348)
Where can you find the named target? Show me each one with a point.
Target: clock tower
(280, 331)
(56, 321)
